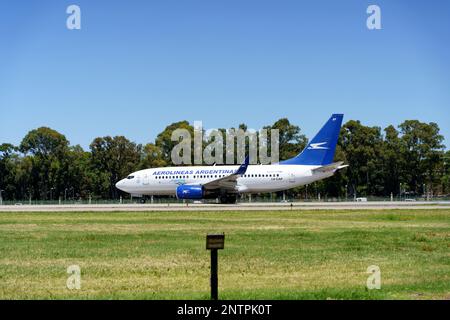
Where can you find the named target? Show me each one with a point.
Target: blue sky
(137, 66)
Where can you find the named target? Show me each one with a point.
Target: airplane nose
(119, 185)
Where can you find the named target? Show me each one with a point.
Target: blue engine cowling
(190, 192)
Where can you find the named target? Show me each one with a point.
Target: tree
(45, 165)
(393, 158)
(362, 147)
(292, 141)
(49, 150)
(165, 143)
(112, 159)
(23, 180)
(423, 148)
(78, 176)
(44, 142)
(152, 157)
(337, 185)
(445, 181)
(7, 169)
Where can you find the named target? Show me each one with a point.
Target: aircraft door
(146, 179)
(291, 178)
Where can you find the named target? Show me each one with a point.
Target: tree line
(407, 159)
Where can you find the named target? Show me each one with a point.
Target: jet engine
(190, 192)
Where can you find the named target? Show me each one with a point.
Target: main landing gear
(228, 199)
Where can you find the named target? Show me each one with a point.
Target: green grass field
(268, 255)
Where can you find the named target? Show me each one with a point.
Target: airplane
(226, 183)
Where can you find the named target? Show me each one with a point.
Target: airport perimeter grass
(268, 255)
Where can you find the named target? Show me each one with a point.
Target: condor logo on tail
(318, 146)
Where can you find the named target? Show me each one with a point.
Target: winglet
(243, 168)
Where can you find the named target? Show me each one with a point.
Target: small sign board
(215, 241)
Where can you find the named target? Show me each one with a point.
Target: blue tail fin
(320, 151)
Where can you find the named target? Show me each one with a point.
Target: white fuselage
(257, 179)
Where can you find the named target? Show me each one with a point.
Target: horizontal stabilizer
(330, 168)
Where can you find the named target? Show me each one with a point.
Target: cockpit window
(130, 177)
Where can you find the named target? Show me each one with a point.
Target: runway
(256, 206)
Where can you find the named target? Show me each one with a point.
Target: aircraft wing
(228, 182)
(330, 167)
